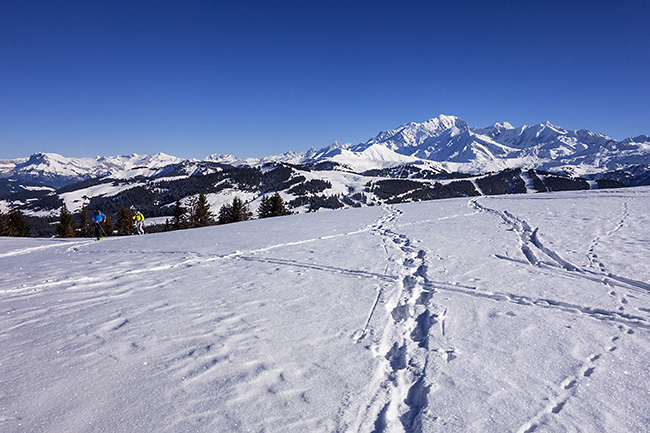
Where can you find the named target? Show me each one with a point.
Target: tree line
(196, 213)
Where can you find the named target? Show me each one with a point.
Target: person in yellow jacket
(139, 222)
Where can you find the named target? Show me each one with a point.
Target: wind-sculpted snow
(525, 313)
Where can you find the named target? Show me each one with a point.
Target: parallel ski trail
(19, 252)
(531, 246)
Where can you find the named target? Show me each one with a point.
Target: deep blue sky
(255, 78)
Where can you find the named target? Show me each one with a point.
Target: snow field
(525, 313)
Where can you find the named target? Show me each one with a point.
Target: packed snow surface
(525, 313)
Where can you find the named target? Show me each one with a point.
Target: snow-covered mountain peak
(159, 159)
(338, 145)
(442, 123)
(46, 158)
(414, 134)
(638, 139)
(54, 163)
(451, 142)
(231, 160)
(504, 126)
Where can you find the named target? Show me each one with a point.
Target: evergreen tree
(265, 209)
(279, 207)
(66, 227)
(240, 210)
(168, 225)
(85, 226)
(178, 222)
(225, 212)
(124, 222)
(16, 224)
(190, 212)
(201, 215)
(234, 212)
(272, 206)
(108, 227)
(4, 224)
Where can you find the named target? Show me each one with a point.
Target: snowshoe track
(396, 398)
(531, 246)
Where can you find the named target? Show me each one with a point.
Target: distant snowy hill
(52, 169)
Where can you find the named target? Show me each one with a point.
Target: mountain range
(445, 143)
(439, 158)
(54, 170)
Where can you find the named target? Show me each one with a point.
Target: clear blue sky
(255, 78)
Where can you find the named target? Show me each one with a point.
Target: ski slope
(524, 313)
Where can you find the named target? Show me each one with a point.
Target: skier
(97, 219)
(139, 222)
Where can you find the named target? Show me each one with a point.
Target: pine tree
(265, 209)
(190, 212)
(234, 212)
(108, 227)
(85, 228)
(178, 222)
(240, 210)
(124, 222)
(279, 207)
(16, 224)
(4, 224)
(225, 214)
(198, 212)
(272, 206)
(201, 212)
(66, 226)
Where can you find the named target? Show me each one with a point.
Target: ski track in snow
(188, 260)
(531, 246)
(413, 347)
(40, 248)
